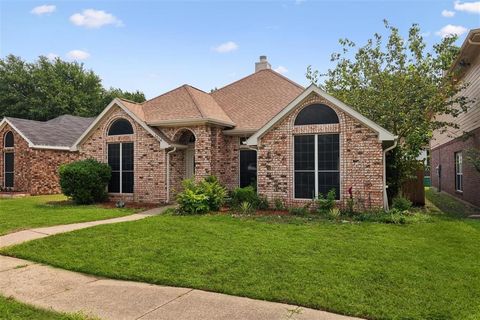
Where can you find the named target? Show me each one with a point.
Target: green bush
(401, 203)
(245, 208)
(279, 205)
(325, 204)
(240, 195)
(214, 191)
(334, 214)
(262, 203)
(85, 181)
(198, 198)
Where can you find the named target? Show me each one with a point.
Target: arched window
(316, 114)
(119, 127)
(8, 140)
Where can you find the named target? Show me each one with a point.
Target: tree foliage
(401, 85)
(46, 89)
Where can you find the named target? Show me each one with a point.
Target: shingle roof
(184, 103)
(62, 131)
(254, 100)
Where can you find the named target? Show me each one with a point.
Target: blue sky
(155, 46)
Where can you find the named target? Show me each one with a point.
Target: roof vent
(262, 64)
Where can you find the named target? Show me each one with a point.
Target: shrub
(245, 208)
(401, 203)
(325, 204)
(299, 211)
(262, 203)
(214, 191)
(240, 195)
(279, 204)
(197, 198)
(334, 213)
(85, 181)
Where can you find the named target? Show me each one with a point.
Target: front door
(189, 163)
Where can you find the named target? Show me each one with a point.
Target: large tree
(46, 88)
(401, 85)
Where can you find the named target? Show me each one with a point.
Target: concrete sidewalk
(37, 233)
(67, 291)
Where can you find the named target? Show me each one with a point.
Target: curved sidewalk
(68, 291)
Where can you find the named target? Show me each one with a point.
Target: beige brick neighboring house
(292, 143)
(450, 172)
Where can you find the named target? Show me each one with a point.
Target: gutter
(385, 197)
(168, 173)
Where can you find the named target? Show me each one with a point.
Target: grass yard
(41, 211)
(427, 270)
(14, 310)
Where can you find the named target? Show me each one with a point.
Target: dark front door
(248, 168)
(9, 168)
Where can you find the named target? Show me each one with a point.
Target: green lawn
(14, 310)
(428, 270)
(41, 211)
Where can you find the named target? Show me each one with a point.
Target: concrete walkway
(37, 233)
(68, 291)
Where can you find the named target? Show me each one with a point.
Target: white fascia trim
(39, 146)
(238, 132)
(383, 134)
(118, 102)
(186, 122)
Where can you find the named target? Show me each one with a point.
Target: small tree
(401, 86)
(473, 157)
(85, 181)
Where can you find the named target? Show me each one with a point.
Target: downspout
(385, 197)
(168, 173)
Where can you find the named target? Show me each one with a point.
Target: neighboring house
(450, 170)
(293, 143)
(31, 152)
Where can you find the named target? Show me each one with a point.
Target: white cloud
(450, 29)
(226, 47)
(52, 56)
(281, 69)
(448, 13)
(46, 8)
(91, 18)
(78, 55)
(472, 7)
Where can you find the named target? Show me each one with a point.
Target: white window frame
(121, 167)
(459, 171)
(316, 171)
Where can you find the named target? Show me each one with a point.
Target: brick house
(292, 142)
(32, 151)
(450, 170)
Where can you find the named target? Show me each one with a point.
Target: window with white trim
(458, 171)
(316, 165)
(8, 160)
(120, 160)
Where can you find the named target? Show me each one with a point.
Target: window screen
(316, 114)
(120, 160)
(311, 181)
(248, 168)
(9, 168)
(119, 127)
(8, 140)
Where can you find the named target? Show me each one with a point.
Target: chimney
(262, 64)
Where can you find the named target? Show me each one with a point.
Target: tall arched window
(119, 127)
(8, 160)
(316, 114)
(121, 158)
(316, 156)
(8, 140)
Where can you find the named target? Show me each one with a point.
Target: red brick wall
(149, 158)
(361, 156)
(445, 155)
(36, 170)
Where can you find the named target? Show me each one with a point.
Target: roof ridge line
(195, 102)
